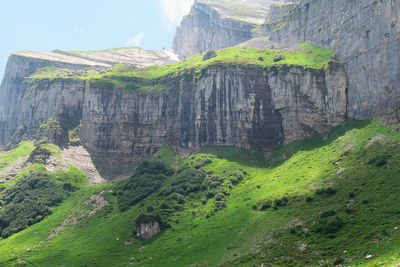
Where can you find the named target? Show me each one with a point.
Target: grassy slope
(8, 157)
(239, 235)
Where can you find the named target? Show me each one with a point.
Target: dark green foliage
(149, 208)
(329, 225)
(189, 180)
(209, 55)
(237, 176)
(202, 161)
(147, 179)
(279, 58)
(326, 192)
(328, 213)
(352, 195)
(68, 187)
(309, 199)
(28, 201)
(378, 160)
(280, 202)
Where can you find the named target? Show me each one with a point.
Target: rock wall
(31, 103)
(204, 29)
(231, 105)
(365, 34)
(228, 105)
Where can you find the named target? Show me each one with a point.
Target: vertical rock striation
(227, 105)
(29, 104)
(365, 35)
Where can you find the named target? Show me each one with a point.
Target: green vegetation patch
(28, 201)
(8, 157)
(148, 178)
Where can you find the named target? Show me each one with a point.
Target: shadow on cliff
(281, 153)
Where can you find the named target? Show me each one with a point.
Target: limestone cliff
(227, 105)
(216, 24)
(231, 104)
(30, 104)
(365, 35)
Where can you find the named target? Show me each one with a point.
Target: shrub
(147, 179)
(309, 199)
(280, 202)
(266, 205)
(149, 208)
(329, 225)
(328, 213)
(188, 181)
(28, 201)
(202, 161)
(327, 192)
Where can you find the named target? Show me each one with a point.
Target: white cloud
(135, 41)
(174, 10)
(79, 30)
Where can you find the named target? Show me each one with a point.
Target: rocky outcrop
(227, 105)
(366, 38)
(148, 230)
(216, 24)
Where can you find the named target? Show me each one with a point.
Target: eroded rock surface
(148, 229)
(365, 35)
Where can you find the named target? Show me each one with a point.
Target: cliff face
(365, 35)
(30, 104)
(204, 29)
(216, 24)
(227, 105)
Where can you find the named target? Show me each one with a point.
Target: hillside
(329, 201)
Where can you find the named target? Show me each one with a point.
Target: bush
(28, 201)
(147, 179)
(280, 202)
(328, 213)
(309, 199)
(209, 55)
(149, 208)
(327, 192)
(188, 181)
(329, 225)
(266, 205)
(202, 161)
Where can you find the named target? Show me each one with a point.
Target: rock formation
(148, 229)
(216, 24)
(365, 36)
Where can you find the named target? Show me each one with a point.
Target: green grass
(241, 234)
(8, 157)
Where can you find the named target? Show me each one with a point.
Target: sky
(46, 25)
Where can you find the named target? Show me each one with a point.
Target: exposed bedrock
(365, 35)
(227, 105)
